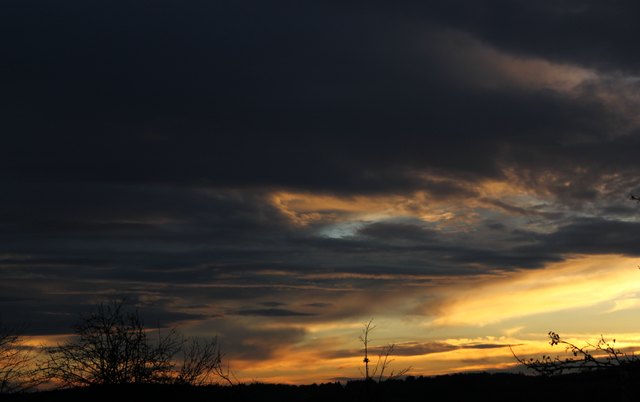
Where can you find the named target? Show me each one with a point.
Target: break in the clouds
(277, 171)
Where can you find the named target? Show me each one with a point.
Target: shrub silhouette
(112, 347)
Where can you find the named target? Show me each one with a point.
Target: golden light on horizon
(577, 282)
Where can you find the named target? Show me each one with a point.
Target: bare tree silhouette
(364, 338)
(383, 361)
(202, 364)
(112, 346)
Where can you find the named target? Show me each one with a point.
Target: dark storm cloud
(592, 33)
(45, 219)
(142, 142)
(67, 246)
(318, 96)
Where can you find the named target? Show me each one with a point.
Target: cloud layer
(260, 168)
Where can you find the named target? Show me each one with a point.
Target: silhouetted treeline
(606, 385)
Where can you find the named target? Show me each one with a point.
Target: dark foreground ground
(601, 386)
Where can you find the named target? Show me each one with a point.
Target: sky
(278, 173)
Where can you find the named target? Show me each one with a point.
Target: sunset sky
(278, 173)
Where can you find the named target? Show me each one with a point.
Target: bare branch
(18, 368)
(600, 355)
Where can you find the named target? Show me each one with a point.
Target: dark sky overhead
(262, 169)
